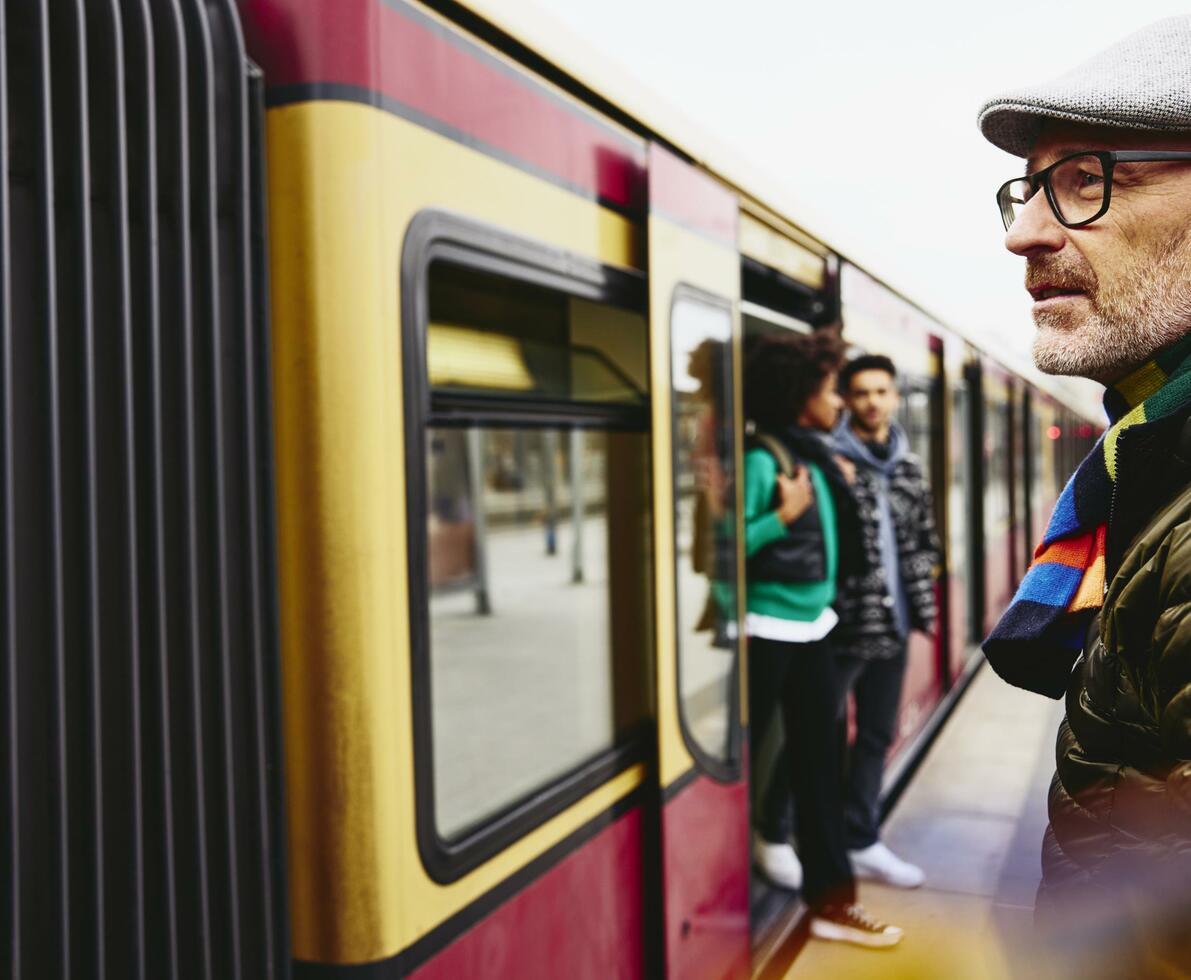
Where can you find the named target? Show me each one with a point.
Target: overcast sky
(868, 111)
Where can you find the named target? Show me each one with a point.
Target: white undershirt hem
(790, 630)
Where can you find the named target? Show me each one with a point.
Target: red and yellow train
(370, 383)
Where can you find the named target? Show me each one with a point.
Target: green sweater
(800, 601)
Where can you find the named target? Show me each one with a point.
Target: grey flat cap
(1142, 82)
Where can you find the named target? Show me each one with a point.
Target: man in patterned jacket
(878, 609)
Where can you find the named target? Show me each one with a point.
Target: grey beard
(1104, 354)
(1112, 340)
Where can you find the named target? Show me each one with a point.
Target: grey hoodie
(848, 444)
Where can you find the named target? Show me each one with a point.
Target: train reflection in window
(538, 540)
(489, 335)
(705, 531)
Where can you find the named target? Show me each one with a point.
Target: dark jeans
(877, 686)
(800, 679)
(773, 806)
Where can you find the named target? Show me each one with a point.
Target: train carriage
(372, 544)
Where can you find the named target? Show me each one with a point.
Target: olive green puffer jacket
(1120, 803)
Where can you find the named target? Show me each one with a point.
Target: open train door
(694, 285)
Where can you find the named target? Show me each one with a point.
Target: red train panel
(395, 56)
(707, 886)
(582, 919)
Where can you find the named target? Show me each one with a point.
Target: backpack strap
(777, 449)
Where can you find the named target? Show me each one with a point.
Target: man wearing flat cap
(1103, 617)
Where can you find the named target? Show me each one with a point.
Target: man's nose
(1036, 229)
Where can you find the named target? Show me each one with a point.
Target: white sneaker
(778, 863)
(877, 863)
(852, 924)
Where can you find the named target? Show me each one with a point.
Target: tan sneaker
(851, 923)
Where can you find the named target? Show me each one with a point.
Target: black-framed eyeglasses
(1078, 187)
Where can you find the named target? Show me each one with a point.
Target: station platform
(972, 817)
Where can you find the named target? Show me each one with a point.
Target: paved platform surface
(973, 818)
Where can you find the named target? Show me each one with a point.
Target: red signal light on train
(1053, 432)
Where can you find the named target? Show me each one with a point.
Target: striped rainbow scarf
(1064, 587)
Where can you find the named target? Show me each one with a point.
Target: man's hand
(847, 467)
(797, 495)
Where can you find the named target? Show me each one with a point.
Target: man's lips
(1047, 291)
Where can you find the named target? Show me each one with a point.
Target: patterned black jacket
(868, 621)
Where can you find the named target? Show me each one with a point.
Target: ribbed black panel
(114, 567)
(246, 595)
(140, 823)
(178, 559)
(30, 530)
(158, 843)
(9, 827)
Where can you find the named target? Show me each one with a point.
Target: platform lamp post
(475, 465)
(550, 484)
(576, 468)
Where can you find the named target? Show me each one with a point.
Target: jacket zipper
(1112, 502)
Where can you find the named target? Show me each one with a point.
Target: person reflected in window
(801, 535)
(879, 608)
(713, 551)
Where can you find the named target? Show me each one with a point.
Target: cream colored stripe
(1110, 440)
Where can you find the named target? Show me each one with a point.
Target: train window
(963, 583)
(914, 416)
(528, 452)
(491, 335)
(1039, 474)
(997, 444)
(536, 658)
(957, 484)
(997, 469)
(705, 528)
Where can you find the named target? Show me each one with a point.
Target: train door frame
(788, 284)
(729, 768)
(938, 466)
(973, 379)
(692, 251)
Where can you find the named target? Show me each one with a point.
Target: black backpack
(801, 556)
